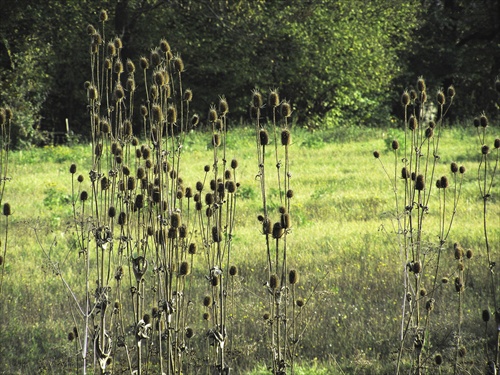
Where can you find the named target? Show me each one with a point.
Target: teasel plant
(415, 182)
(274, 134)
(6, 115)
(140, 229)
(487, 174)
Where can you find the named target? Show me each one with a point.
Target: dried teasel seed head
(155, 57)
(157, 113)
(256, 99)
(189, 332)
(159, 78)
(175, 219)
(286, 137)
(71, 336)
(444, 280)
(289, 194)
(207, 301)
(118, 43)
(266, 226)
(441, 99)
(80, 178)
(476, 122)
(432, 124)
(454, 167)
(234, 163)
(459, 252)
(485, 150)
(483, 121)
(139, 201)
(254, 112)
(92, 93)
(164, 46)
(285, 221)
(83, 196)
(486, 315)
(212, 114)
(438, 183)
(231, 186)
(223, 106)
(206, 316)
(423, 97)
(111, 211)
(6, 211)
(423, 292)
(293, 277)
(285, 109)
(195, 119)
(274, 98)
(451, 92)
(444, 182)
(219, 125)
(91, 29)
(420, 183)
(405, 99)
(122, 219)
(376, 154)
(266, 316)
(429, 133)
(462, 169)
(429, 305)
(72, 169)
(469, 253)
(421, 84)
(263, 137)
(459, 286)
(299, 302)
(188, 95)
(278, 230)
(412, 123)
(144, 63)
(215, 281)
(413, 94)
(496, 143)
(119, 92)
(273, 281)
(171, 114)
(233, 270)
(178, 64)
(405, 173)
(192, 248)
(395, 144)
(438, 359)
(416, 267)
(216, 140)
(185, 269)
(216, 234)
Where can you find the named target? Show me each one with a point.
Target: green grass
(342, 243)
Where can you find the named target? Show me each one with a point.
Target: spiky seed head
(122, 219)
(80, 178)
(299, 302)
(416, 267)
(104, 183)
(209, 199)
(438, 359)
(215, 281)
(198, 206)
(266, 226)
(289, 194)
(277, 230)
(395, 144)
(496, 143)
(111, 48)
(216, 140)
(412, 123)
(192, 248)
(72, 169)
(376, 154)
(451, 92)
(189, 332)
(6, 209)
(83, 196)
(423, 97)
(207, 301)
(119, 92)
(159, 78)
(154, 91)
(219, 125)
(111, 211)
(438, 183)
(118, 43)
(286, 221)
(273, 281)
(286, 137)
(157, 113)
(293, 277)
(231, 186)
(155, 57)
(175, 219)
(441, 99)
(421, 84)
(423, 292)
(171, 115)
(206, 316)
(254, 112)
(130, 84)
(444, 280)
(266, 316)
(164, 46)
(405, 99)
(223, 106)
(139, 201)
(476, 122)
(413, 94)
(178, 64)
(263, 137)
(469, 253)
(107, 64)
(432, 124)
(188, 95)
(216, 234)
(459, 286)
(429, 133)
(92, 93)
(444, 182)
(483, 121)
(462, 169)
(485, 150)
(274, 98)
(454, 167)
(212, 114)
(256, 99)
(420, 183)
(405, 173)
(459, 252)
(234, 163)
(194, 120)
(91, 29)
(144, 63)
(429, 305)
(185, 269)
(71, 336)
(233, 270)
(285, 109)
(486, 315)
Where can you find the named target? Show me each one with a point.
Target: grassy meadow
(341, 241)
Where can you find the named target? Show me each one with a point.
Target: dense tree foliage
(342, 59)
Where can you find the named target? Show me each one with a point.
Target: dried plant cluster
(420, 191)
(5, 128)
(149, 242)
